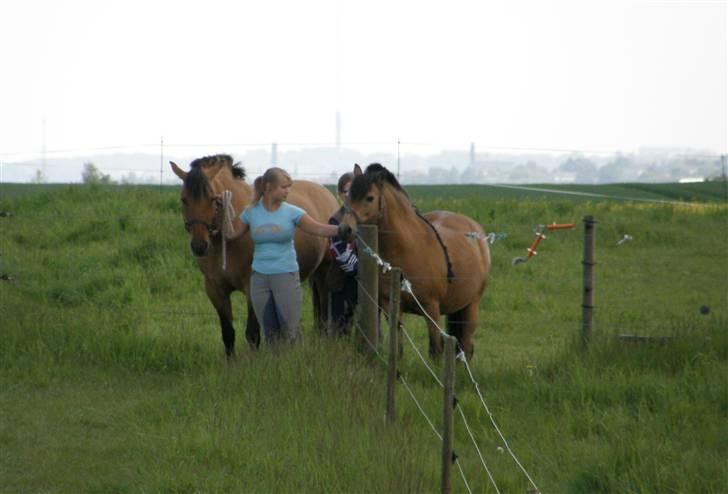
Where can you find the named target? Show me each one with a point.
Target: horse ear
(357, 170)
(178, 171)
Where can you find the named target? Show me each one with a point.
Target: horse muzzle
(199, 247)
(345, 232)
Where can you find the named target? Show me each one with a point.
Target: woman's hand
(343, 231)
(235, 233)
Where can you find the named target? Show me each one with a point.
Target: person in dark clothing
(341, 278)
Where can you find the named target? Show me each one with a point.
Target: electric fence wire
(434, 429)
(495, 426)
(434, 375)
(464, 359)
(475, 443)
(372, 346)
(412, 144)
(402, 379)
(404, 331)
(408, 287)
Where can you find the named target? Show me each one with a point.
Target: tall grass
(112, 376)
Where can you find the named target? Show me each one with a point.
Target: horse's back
(313, 198)
(467, 248)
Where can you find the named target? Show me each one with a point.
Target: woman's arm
(240, 228)
(310, 225)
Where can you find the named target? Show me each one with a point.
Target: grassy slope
(112, 378)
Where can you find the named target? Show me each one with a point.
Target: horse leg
(455, 325)
(220, 299)
(468, 325)
(434, 330)
(319, 299)
(252, 327)
(318, 315)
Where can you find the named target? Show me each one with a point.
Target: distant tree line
(619, 168)
(92, 175)
(454, 166)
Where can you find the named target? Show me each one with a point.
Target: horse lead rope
(227, 223)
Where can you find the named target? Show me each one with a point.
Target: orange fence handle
(560, 226)
(532, 249)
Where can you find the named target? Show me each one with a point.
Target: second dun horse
(443, 254)
(201, 198)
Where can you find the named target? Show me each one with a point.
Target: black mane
(236, 169)
(196, 182)
(374, 174)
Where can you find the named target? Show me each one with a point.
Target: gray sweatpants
(277, 302)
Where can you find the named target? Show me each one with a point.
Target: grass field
(112, 376)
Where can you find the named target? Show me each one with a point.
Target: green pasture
(112, 375)
(633, 192)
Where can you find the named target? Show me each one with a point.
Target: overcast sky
(600, 75)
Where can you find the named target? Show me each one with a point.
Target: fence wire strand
(404, 382)
(480, 455)
(407, 286)
(495, 425)
(432, 426)
(409, 338)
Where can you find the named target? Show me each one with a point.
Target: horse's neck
(402, 230)
(241, 191)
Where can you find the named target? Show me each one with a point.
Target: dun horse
(201, 197)
(443, 254)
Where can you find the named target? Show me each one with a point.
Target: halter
(212, 228)
(376, 219)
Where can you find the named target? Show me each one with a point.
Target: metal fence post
(587, 303)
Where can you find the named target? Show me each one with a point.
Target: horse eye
(370, 198)
(184, 201)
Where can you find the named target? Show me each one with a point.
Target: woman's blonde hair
(273, 176)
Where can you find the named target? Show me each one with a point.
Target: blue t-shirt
(272, 233)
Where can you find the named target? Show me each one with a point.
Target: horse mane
(196, 181)
(236, 169)
(374, 174)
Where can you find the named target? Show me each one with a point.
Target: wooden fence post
(395, 281)
(448, 379)
(368, 296)
(587, 303)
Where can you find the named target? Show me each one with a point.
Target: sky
(586, 75)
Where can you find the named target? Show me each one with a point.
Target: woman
(275, 286)
(341, 278)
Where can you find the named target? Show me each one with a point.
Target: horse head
(367, 202)
(201, 204)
